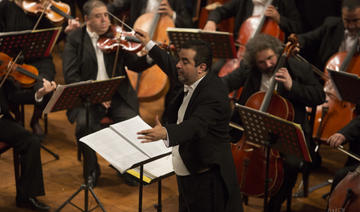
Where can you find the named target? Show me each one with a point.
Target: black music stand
(31, 44)
(83, 94)
(222, 43)
(273, 132)
(157, 206)
(346, 85)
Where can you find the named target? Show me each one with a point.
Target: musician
(295, 82)
(173, 8)
(283, 12)
(83, 60)
(30, 184)
(13, 18)
(197, 129)
(336, 34)
(349, 134)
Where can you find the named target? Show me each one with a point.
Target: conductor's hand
(154, 134)
(272, 13)
(210, 26)
(283, 76)
(142, 35)
(336, 140)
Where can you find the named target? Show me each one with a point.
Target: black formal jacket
(306, 89)
(203, 135)
(137, 7)
(80, 64)
(13, 18)
(323, 42)
(290, 20)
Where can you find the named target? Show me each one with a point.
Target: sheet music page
(114, 148)
(130, 127)
(159, 167)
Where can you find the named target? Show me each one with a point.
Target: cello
(250, 158)
(249, 28)
(334, 114)
(153, 82)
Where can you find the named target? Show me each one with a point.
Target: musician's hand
(47, 88)
(142, 35)
(154, 134)
(336, 140)
(282, 75)
(72, 25)
(272, 13)
(210, 26)
(166, 9)
(106, 104)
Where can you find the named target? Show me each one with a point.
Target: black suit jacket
(290, 21)
(321, 43)
(137, 7)
(306, 89)
(203, 135)
(80, 64)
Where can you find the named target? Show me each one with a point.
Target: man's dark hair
(351, 4)
(90, 5)
(259, 43)
(203, 52)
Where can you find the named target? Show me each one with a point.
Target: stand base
(86, 189)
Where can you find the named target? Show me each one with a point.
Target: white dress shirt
(101, 72)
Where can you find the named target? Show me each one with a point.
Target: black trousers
(31, 182)
(119, 111)
(202, 192)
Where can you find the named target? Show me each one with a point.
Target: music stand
(346, 85)
(222, 43)
(83, 93)
(32, 43)
(273, 132)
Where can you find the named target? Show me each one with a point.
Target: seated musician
(14, 18)
(295, 82)
(196, 126)
(173, 8)
(351, 134)
(83, 60)
(284, 13)
(31, 184)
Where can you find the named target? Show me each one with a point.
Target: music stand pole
(268, 144)
(89, 183)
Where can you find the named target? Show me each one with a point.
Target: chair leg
(288, 202)
(17, 173)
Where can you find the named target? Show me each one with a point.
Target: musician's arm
(71, 60)
(352, 130)
(290, 19)
(228, 10)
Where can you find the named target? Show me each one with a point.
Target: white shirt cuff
(149, 45)
(166, 141)
(38, 100)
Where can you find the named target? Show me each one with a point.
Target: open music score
(32, 44)
(222, 43)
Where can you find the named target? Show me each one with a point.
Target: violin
(25, 74)
(117, 37)
(55, 11)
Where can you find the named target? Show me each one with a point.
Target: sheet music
(130, 127)
(118, 144)
(114, 148)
